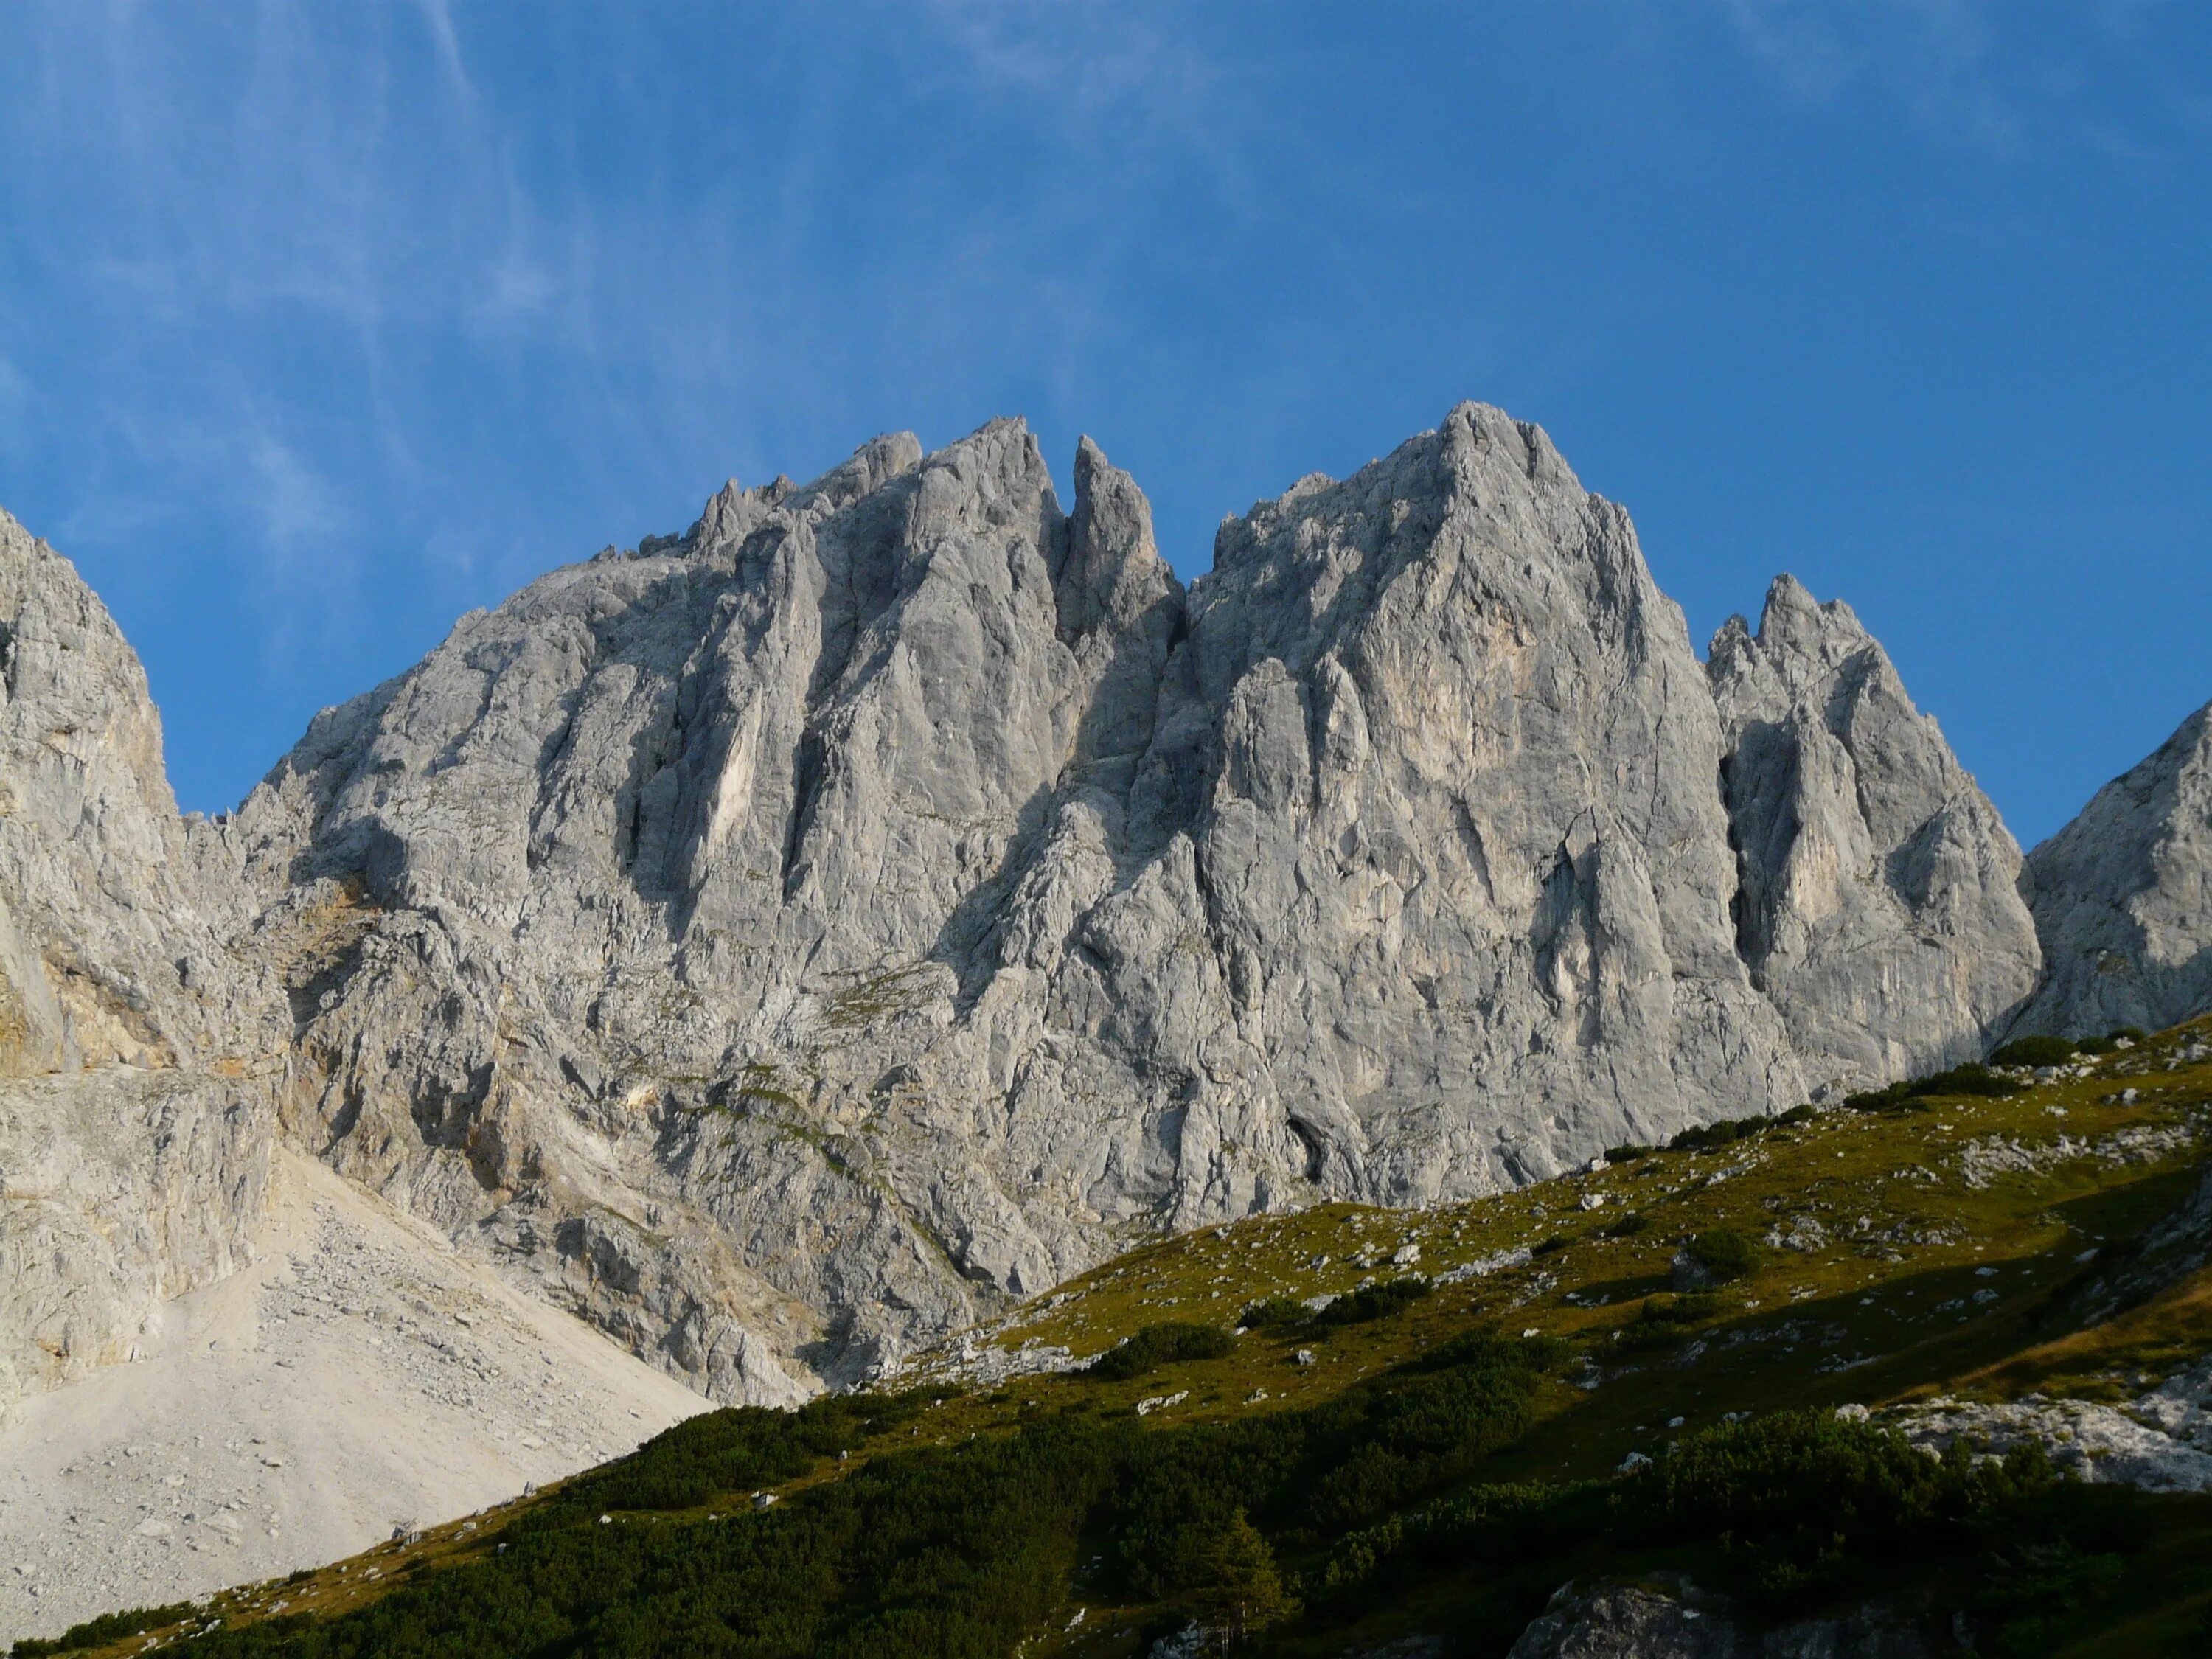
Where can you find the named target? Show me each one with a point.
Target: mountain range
(790, 940)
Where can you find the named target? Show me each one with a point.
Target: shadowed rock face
(789, 940)
(134, 1126)
(1879, 908)
(2122, 897)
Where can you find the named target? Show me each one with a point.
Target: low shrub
(1709, 1137)
(1485, 1347)
(1725, 1253)
(1626, 1227)
(2034, 1051)
(1273, 1313)
(1705, 1137)
(1969, 1079)
(1168, 1344)
(1626, 1153)
(1689, 1309)
(1371, 1302)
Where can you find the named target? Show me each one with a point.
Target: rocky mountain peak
(1878, 905)
(789, 940)
(2123, 896)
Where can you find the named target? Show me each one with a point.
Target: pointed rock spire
(1878, 903)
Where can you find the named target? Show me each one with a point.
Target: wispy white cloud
(1799, 46)
(1088, 61)
(297, 508)
(15, 403)
(1991, 79)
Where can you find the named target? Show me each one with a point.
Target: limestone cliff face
(2122, 897)
(1879, 907)
(788, 940)
(134, 1130)
(894, 893)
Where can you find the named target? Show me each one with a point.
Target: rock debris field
(360, 1378)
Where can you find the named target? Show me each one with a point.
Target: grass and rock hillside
(1329, 1431)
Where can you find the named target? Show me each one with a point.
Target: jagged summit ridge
(890, 891)
(785, 941)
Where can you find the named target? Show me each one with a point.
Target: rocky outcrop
(2123, 898)
(1879, 904)
(2162, 1440)
(1666, 1617)
(134, 1116)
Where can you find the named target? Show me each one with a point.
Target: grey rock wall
(2122, 897)
(135, 1106)
(798, 936)
(785, 941)
(1880, 906)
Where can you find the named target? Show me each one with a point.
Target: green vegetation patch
(1421, 1470)
(1960, 1080)
(2032, 1051)
(960, 1550)
(104, 1631)
(1709, 1137)
(1728, 1254)
(1170, 1343)
(1372, 1302)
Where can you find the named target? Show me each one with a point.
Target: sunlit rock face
(785, 941)
(1879, 907)
(135, 1105)
(893, 893)
(2122, 897)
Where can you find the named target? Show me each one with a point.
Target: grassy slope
(1884, 1311)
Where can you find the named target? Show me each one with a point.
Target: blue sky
(319, 324)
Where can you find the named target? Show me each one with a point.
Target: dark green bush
(1273, 1313)
(1726, 1253)
(1371, 1302)
(2034, 1051)
(1486, 1348)
(1626, 1153)
(1807, 1501)
(1711, 1137)
(1968, 1079)
(1666, 1321)
(727, 1451)
(1689, 1309)
(1705, 1137)
(1167, 1344)
(964, 1551)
